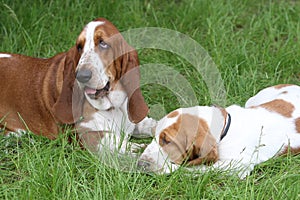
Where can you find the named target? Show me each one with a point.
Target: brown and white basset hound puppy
(108, 73)
(233, 139)
(38, 94)
(98, 79)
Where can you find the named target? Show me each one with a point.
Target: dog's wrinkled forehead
(94, 32)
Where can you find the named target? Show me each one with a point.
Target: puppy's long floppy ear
(205, 153)
(68, 106)
(130, 79)
(203, 148)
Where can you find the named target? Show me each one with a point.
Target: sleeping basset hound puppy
(233, 138)
(95, 85)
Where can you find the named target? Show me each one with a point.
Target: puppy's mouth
(97, 93)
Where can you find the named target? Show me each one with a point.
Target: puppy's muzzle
(144, 165)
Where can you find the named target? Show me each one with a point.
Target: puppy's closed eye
(164, 139)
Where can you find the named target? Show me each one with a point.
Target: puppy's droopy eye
(103, 45)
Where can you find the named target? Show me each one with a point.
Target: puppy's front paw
(136, 148)
(145, 129)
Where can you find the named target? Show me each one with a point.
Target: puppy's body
(39, 94)
(96, 81)
(269, 126)
(111, 129)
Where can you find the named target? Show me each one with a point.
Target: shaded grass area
(254, 44)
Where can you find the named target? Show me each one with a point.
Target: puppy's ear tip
(137, 108)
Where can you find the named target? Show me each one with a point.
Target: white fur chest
(114, 120)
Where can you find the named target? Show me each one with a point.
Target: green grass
(254, 44)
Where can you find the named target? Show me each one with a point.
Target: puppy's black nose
(83, 75)
(143, 165)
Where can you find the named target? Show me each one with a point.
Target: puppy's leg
(145, 128)
(230, 166)
(117, 144)
(91, 140)
(234, 167)
(292, 146)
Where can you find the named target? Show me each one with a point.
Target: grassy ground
(254, 44)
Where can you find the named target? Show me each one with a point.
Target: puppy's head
(108, 64)
(183, 137)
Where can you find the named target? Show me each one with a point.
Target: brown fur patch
(81, 41)
(297, 122)
(189, 140)
(169, 133)
(287, 150)
(173, 114)
(224, 113)
(280, 106)
(281, 86)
